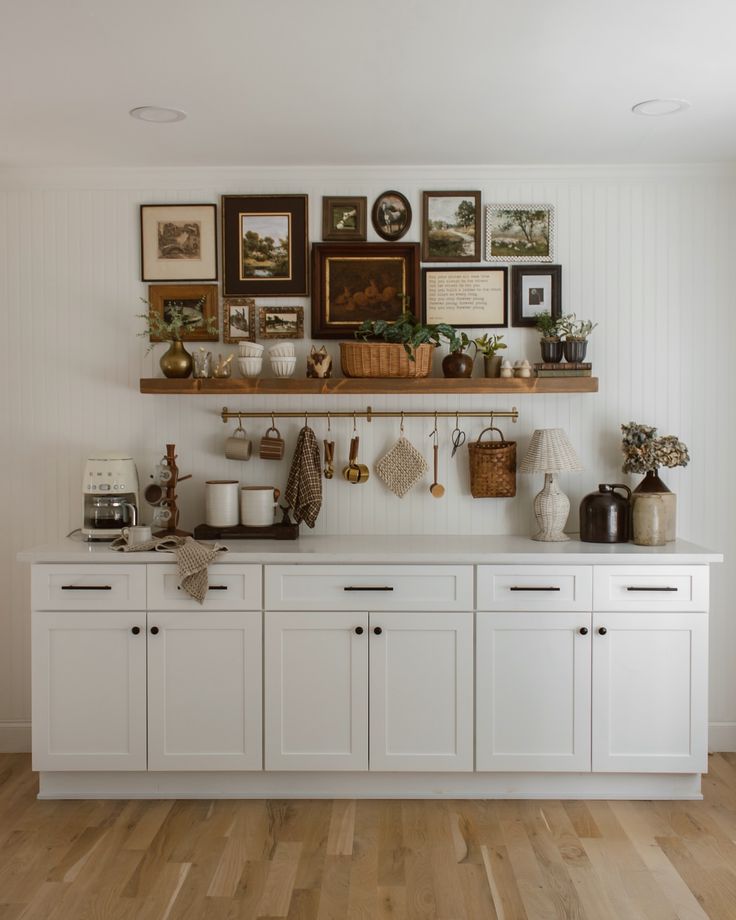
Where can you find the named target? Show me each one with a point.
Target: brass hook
(329, 427)
(273, 421)
(355, 424)
(401, 427)
(306, 419)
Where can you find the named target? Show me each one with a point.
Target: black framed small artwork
(535, 289)
(344, 218)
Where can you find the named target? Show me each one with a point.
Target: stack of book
(565, 369)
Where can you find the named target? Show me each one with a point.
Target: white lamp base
(551, 509)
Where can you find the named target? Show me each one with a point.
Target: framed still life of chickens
(353, 282)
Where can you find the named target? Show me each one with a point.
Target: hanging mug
(238, 447)
(272, 445)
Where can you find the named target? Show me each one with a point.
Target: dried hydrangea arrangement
(644, 451)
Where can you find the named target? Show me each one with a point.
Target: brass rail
(369, 414)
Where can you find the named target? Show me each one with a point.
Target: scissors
(457, 436)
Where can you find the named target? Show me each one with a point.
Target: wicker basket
(492, 467)
(384, 359)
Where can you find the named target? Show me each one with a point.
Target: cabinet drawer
(369, 587)
(231, 587)
(88, 587)
(681, 588)
(534, 587)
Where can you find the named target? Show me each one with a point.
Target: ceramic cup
(250, 367)
(137, 534)
(250, 350)
(283, 367)
(282, 350)
(239, 446)
(221, 502)
(258, 505)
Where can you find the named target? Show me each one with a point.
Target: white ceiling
(363, 82)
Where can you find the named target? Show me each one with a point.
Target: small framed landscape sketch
(281, 322)
(238, 320)
(178, 242)
(470, 297)
(451, 228)
(344, 218)
(391, 215)
(198, 303)
(265, 245)
(520, 232)
(535, 289)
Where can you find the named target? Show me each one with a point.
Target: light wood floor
(239, 860)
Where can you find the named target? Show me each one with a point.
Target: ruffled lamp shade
(550, 452)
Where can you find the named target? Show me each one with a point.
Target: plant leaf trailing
(170, 330)
(408, 331)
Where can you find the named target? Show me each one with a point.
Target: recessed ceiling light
(157, 113)
(658, 107)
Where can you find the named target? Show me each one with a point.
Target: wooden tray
(285, 531)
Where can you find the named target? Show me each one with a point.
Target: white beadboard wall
(646, 252)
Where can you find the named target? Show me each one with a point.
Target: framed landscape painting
(265, 245)
(178, 242)
(535, 289)
(352, 282)
(239, 320)
(451, 228)
(198, 303)
(520, 232)
(281, 322)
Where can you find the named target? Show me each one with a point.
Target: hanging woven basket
(492, 467)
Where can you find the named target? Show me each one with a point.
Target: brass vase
(176, 362)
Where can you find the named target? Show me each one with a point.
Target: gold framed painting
(238, 320)
(265, 245)
(281, 322)
(178, 242)
(198, 303)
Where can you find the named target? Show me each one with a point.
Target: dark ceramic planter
(457, 365)
(492, 365)
(551, 351)
(574, 351)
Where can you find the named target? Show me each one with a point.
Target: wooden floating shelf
(350, 386)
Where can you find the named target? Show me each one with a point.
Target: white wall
(645, 252)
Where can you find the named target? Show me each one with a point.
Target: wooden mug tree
(171, 496)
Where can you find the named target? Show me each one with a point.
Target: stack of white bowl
(283, 359)
(250, 361)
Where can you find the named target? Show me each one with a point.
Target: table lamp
(550, 452)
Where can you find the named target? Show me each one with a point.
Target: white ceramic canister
(221, 502)
(257, 505)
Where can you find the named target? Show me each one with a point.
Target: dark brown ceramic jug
(605, 516)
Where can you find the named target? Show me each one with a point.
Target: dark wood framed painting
(451, 227)
(178, 242)
(535, 289)
(344, 218)
(198, 303)
(352, 282)
(238, 320)
(265, 245)
(391, 215)
(466, 297)
(281, 322)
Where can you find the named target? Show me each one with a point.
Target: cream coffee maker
(110, 493)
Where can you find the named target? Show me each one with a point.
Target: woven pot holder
(402, 467)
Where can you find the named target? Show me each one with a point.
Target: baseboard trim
(721, 737)
(15, 737)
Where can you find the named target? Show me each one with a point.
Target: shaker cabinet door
(204, 691)
(650, 692)
(89, 691)
(316, 685)
(533, 691)
(421, 691)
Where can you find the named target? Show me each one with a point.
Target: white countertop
(394, 548)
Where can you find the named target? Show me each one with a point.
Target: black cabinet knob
(602, 631)
(358, 630)
(583, 630)
(378, 630)
(136, 630)
(154, 630)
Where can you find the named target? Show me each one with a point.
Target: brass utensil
(329, 459)
(436, 490)
(355, 472)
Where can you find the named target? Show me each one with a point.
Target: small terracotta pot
(457, 364)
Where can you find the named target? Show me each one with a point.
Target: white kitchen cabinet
(421, 691)
(650, 692)
(89, 690)
(533, 691)
(205, 691)
(316, 690)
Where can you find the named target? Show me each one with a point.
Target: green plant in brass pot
(488, 346)
(550, 342)
(176, 361)
(576, 332)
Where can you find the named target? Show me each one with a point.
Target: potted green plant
(488, 346)
(576, 332)
(390, 349)
(550, 342)
(176, 361)
(457, 363)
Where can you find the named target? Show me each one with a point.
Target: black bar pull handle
(368, 588)
(218, 587)
(652, 588)
(86, 587)
(534, 588)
